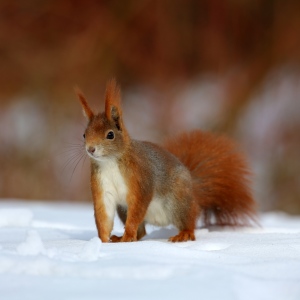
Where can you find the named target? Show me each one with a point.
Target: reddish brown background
(229, 66)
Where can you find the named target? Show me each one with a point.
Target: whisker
(74, 147)
(79, 139)
(83, 163)
(75, 144)
(76, 166)
(71, 160)
(75, 154)
(65, 152)
(69, 148)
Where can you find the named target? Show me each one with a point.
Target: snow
(51, 251)
(15, 217)
(33, 244)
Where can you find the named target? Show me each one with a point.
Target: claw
(183, 236)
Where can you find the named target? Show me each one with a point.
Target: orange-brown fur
(195, 173)
(104, 226)
(221, 177)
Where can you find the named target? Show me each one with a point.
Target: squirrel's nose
(91, 150)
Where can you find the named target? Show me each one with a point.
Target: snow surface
(51, 251)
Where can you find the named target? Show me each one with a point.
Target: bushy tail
(221, 177)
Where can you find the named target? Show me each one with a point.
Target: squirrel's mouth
(96, 155)
(92, 151)
(91, 155)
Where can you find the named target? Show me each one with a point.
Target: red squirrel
(194, 174)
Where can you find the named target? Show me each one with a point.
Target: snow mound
(72, 251)
(91, 250)
(33, 244)
(15, 217)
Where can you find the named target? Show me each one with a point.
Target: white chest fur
(113, 186)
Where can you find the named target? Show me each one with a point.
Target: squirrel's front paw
(128, 238)
(124, 238)
(115, 239)
(183, 236)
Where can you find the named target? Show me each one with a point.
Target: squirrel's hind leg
(185, 220)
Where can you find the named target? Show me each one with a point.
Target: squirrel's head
(105, 135)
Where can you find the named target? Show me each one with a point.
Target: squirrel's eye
(110, 135)
(84, 135)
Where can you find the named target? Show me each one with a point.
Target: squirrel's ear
(113, 109)
(87, 112)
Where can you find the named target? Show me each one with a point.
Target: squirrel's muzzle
(91, 150)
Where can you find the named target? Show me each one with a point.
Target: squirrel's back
(161, 162)
(220, 174)
(163, 167)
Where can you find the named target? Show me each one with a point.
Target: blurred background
(228, 66)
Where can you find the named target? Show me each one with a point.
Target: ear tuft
(113, 109)
(87, 112)
(112, 97)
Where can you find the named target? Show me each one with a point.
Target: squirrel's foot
(124, 238)
(115, 239)
(128, 238)
(183, 236)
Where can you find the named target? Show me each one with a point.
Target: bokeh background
(229, 66)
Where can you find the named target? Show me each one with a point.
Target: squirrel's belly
(157, 213)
